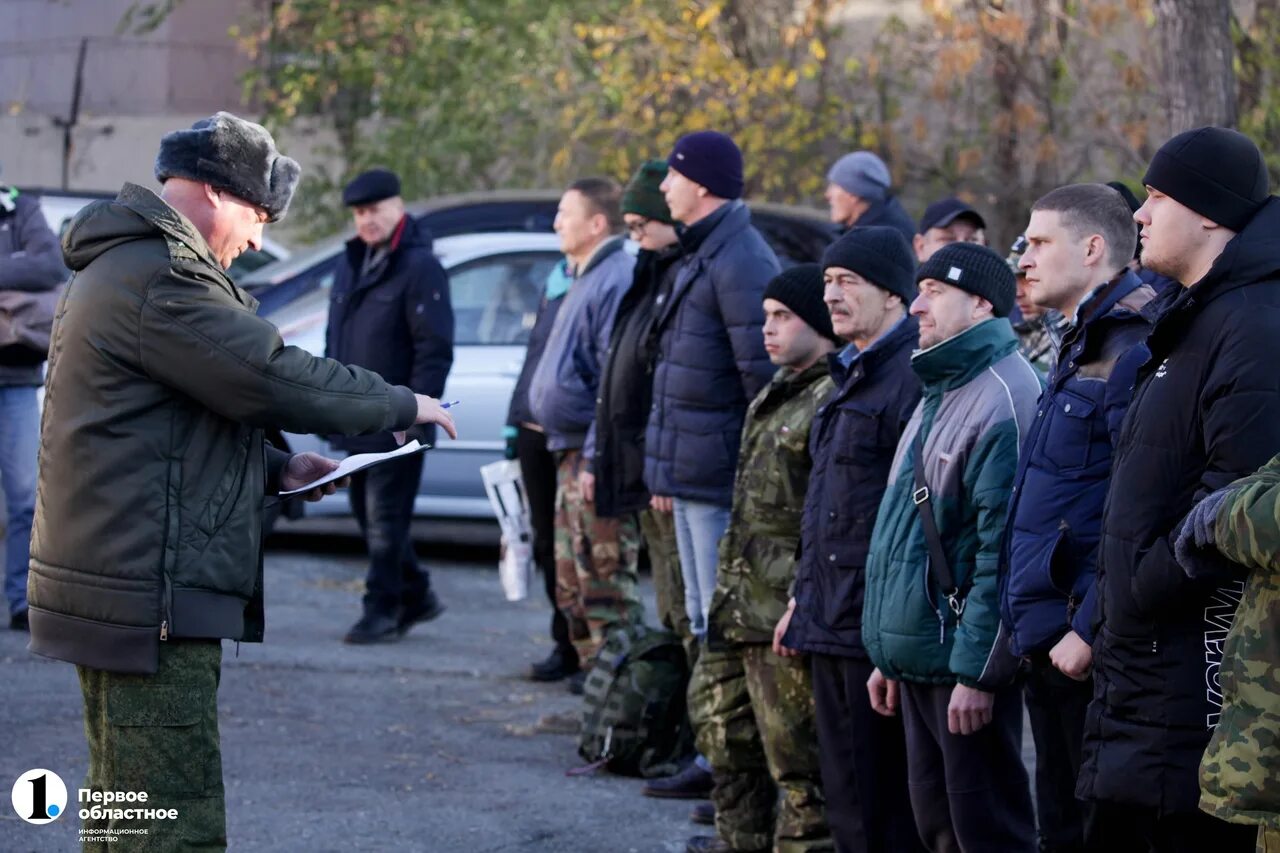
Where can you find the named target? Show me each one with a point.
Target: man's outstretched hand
(431, 412)
(303, 468)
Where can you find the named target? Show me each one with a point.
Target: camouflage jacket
(1240, 773)
(758, 551)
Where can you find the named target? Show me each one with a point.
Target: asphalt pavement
(432, 743)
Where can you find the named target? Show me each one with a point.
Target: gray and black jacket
(30, 261)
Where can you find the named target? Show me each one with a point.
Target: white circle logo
(39, 796)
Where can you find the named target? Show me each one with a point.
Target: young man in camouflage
(1240, 772)
(752, 709)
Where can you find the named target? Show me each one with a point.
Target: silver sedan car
(496, 281)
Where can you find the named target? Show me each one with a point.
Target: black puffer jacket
(1205, 412)
(711, 359)
(851, 442)
(626, 388)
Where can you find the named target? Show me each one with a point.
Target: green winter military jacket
(979, 399)
(758, 550)
(153, 463)
(1240, 772)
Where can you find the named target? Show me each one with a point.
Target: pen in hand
(450, 404)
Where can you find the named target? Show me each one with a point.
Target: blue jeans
(19, 445)
(699, 527)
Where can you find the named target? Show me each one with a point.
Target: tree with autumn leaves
(997, 100)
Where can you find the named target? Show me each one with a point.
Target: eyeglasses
(636, 229)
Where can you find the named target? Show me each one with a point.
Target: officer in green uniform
(752, 709)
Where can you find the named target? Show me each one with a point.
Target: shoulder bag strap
(939, 568)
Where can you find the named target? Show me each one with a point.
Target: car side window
(495, 299)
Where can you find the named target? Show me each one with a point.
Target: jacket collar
(786, 383)
(705, 237)
(1106, 297)
(604, 250)
(407, 234)
(958, 359)
(182, 237)
(905, 333)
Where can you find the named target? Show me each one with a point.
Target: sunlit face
(858, 308)
(682, 195)
(580, 226)
(789, 340)
(1053, 263)
(1168, 231)
(844, 207)
(235, 226)
(377, 221)
(960, 230)
(649, 234)
(945, 311)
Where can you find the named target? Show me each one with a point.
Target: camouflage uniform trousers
(1268, 839)
(754, 717)
(596, 583)
(659, 530)
(159, 734)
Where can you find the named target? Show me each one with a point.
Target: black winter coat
(1205, 412)
(30, 261)
(888, 212)
(852, 443)
(626, 388)
(711, 361)
(397, 321)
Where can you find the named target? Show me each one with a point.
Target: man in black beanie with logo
(869, 280)
(390, 312)
(1205, 412)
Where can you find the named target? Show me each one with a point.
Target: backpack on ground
(634, 719)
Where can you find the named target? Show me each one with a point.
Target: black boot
(423, 610)
(691, 783)
(374, 628)
(560, 664)
(704, 813)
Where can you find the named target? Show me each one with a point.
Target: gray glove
(1196, 537)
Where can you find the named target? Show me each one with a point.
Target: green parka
(153, 464)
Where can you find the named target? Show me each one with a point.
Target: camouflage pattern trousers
(596, 584)
(659, 529)
(1268, 839)
(753, 714)
(159, 734)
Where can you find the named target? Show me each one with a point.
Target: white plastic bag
(505, 488)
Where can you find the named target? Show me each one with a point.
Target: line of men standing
(973, 533)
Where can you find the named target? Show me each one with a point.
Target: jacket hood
(1252, 255)
(958, 359)
(135, 214)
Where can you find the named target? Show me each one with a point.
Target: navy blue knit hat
(879, 254)
(974, 269)
(711, 159)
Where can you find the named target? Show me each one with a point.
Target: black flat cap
(371, 186)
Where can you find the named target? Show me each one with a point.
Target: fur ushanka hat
(234, 155)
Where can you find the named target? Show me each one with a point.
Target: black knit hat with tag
(974, 269)
(879, 254)
(1217, 172)
(800, 289)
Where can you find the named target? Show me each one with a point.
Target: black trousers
(382, 502)
(1138, 829)
(969, 793)
(863, 759)
(538, 470)
(1056, 706)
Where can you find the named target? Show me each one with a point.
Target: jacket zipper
(168, 608)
